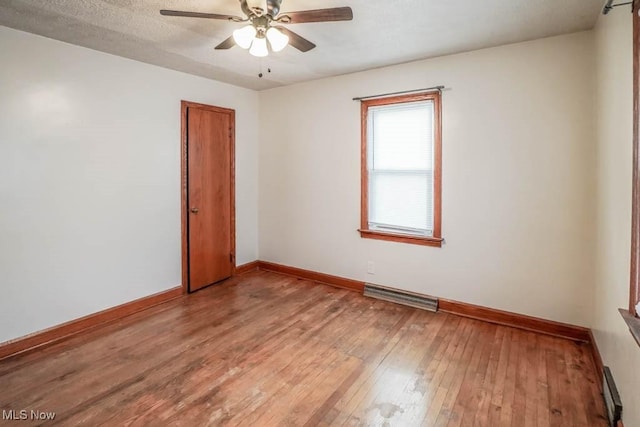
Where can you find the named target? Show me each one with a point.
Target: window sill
(633, 323)
(402, 238)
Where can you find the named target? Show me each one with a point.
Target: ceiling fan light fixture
(259, 47)
(277, 39)
(244, 36)
(260, 38)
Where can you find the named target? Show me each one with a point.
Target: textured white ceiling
(382, 32)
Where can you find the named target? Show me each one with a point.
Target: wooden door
(208, 199)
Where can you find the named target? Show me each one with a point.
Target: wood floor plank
(559, 407)
(362, 400)
(115, 378)
(467, 402)
(439, 379)
(519, 411)
(398, 383)
(431, 368)
(542, 386)
(294, 381)
(481, 417)
(456, 370)
(509, 391)
(356, 410)
(415, 324)
(529, 382)
(267, 349)
(497, 394)
(596, 406)
(581, 371)
(385, 341)
(238, 353)
(466, 367)
(409, 359)
(86, 352)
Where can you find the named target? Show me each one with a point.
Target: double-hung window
(401, 169)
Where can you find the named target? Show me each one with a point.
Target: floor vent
(401, 297)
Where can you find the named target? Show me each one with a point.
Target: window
(401, 169)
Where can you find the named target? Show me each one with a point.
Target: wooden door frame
(184, 187)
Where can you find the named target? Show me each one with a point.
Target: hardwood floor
(265, 349)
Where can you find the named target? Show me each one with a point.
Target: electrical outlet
(371, 267)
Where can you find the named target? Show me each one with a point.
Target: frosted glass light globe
(259, 47)
(244, 36)
(277, 40)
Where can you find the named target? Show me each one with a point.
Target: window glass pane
(401, 199)
(402, 135)
(400, 167)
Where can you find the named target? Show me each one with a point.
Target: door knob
(194, 210)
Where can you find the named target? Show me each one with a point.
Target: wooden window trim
(631, 316)
(634, 292)
(436, 240)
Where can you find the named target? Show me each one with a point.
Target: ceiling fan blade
(319, 15)
(199, 15)
(227, 44)
(297, 40)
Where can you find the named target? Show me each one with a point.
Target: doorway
(208, 195)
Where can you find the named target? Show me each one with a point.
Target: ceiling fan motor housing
(260, 7)
(261, 23)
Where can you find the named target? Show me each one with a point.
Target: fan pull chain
(260, 74)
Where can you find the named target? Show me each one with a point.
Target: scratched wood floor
(265, 349)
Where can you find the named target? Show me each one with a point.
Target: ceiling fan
(265, 31)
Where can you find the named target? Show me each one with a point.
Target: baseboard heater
(611, 397)
(401, 297)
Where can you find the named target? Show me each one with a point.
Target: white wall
(518, 179)
(615, 132)
(90, 179)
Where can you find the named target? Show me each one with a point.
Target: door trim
(184, 185)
